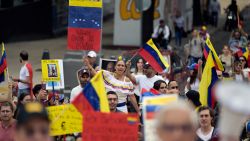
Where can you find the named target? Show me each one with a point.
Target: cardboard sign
(57, 85)
(50, 70)
(110, 127)
(150, 106)
(65, 119)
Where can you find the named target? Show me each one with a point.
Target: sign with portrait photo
(50, 70)
(107, 64)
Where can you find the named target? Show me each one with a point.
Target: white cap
(92, 54)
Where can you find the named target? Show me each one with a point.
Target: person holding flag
(26, 75)
(3, 64)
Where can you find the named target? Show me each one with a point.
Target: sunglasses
(174, 87)
(185, 128)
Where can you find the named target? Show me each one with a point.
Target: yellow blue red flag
(93, 97)
(209, 47)
(3, 64)
(208, 81)
(153, 56)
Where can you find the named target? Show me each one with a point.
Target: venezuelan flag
(209, 47)
(152, 55)
(243, 52)
(208, 80)
(3, 64)
(93, 97)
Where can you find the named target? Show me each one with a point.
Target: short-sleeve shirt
(122, 88)
(6, 133)
(24, 72)
(146, 83)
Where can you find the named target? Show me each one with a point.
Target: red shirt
(7, 133)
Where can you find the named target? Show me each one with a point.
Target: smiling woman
(119, 83)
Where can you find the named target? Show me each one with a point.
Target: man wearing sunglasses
(176, 122)
(32, 123)
(173, 87)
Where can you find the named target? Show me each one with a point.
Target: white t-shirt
(239, 77)
(146, 83)
(195, 85)
(24, 72)
(205, 137)
(74, 92)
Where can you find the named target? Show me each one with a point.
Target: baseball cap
(29, 111)
(83, 71)
(92, 54)
(146, 65)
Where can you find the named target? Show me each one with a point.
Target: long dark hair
(157, 84)
(193, 76)
(136, 69)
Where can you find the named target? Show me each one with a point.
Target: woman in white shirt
(193, 81)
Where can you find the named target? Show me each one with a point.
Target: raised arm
(128, 74)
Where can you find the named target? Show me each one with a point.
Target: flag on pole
(93, 97)
(3, 64)
(152, 55)
(208, 80)
(85, 25)
(209, 47)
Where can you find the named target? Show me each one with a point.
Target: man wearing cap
(7, 124)
(194, 99)
(145, 81)
(90, 60)
(83, 77)
(32, 123)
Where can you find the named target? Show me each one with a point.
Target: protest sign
(50, 70)
(85, 24)
(105, 64)
(60, 84)
(65, 119)
(110, 127)
(150, 106)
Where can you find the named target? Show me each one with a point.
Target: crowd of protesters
(26, 119)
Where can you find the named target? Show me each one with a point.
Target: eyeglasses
(30, 132)
(185, 128)
(163, 87)
(112, 99)
(174, 87)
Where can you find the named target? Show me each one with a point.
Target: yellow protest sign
(50, 70)
(65, 119)
(86, 3)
